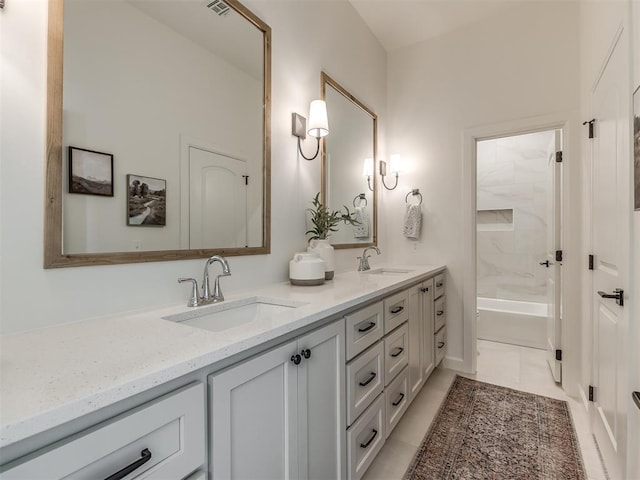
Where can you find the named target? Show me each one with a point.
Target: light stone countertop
(57, 374)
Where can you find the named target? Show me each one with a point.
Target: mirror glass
(347, 175)
(163, 150)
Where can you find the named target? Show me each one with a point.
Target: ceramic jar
(325, 250)
(306, 269)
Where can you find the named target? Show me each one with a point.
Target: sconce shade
(318, 122)
(395, 164)
(367, 167)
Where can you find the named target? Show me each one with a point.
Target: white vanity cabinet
(440, 318)
(162, 439)
(281, 414)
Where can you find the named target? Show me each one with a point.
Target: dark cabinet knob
(296, 359)
(306, 353)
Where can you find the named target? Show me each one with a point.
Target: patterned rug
(484, 432)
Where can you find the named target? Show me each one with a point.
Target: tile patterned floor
(501, 364)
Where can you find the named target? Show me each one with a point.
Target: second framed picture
(90, 172)
(146, 201)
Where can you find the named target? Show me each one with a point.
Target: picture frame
(636, 148)
(90, 172)
(146, 201)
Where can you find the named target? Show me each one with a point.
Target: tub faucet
(216, 296)
(364, 259)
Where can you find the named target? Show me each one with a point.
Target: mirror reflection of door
(217, 200)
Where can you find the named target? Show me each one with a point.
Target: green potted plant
(324, 222)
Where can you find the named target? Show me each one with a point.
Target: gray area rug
(484, 431)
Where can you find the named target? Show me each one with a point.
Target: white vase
(325, 250)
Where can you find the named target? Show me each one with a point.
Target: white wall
(521, 64)
(302, 46)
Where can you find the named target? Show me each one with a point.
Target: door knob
(618, 294)
(546, 263)
(306, 353)
(296, 359)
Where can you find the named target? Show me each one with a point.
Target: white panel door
(254, 414)
(554, 271)
(217, 200)
(611, 214)
(321, 403)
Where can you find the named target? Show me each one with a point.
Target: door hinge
(591, 393)
(590, 123)
(559, 157)
(246, 179)
(591, 262)
(558, 255)
(559, 355)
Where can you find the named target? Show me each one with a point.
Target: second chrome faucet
(207, 296)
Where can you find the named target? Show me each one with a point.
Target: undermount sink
(227, 315)
(387, 271)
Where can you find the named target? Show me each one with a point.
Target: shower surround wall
(512, 201)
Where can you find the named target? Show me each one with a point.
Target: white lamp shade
(367, 167)
(395, 164)
(318, 122)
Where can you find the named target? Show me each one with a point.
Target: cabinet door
(321, 403)
(416, 340)
(253, 425)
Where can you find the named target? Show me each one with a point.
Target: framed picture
(146, 201)
(636, 148)
(90, 172)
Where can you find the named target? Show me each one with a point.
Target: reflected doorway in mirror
(146, 201)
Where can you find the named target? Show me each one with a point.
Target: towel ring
(360, 196)
(414, 192)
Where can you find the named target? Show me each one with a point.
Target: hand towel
(361, 230)
(412, 221)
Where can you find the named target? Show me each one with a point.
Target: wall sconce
(318, 125)
(367, 171)
(395, 167)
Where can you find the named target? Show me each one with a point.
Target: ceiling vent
(218, 6)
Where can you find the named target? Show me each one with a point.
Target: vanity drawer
(364, 328)
(440, 308)
(396, 310)
(365, 380)
(165, 438)
(365, 438)
(396, 400)
(441, 344)
(396, 352)
(439, 285)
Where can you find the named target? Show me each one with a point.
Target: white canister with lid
(306, 269)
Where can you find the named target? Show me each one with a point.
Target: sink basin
(232, 314)
(387, 271)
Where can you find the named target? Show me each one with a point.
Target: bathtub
(512, 321)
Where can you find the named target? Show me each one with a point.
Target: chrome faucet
(207, 296)
(364, 259)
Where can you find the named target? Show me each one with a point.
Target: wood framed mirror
(172, 122)
(348, 160)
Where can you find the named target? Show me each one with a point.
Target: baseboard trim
(455, 363)
(584, 397)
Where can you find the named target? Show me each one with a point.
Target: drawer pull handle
(397, 402)
(306, 353)
(440, 312)
(367, 328)
(145, 457)
(424, 289)
(368, 442)
(372, 375)
(397, 309)
(439, 284)
(440, 344)
(397, 352)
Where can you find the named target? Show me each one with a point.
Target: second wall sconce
(394, 167)
(367, 171)
(318, 125)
